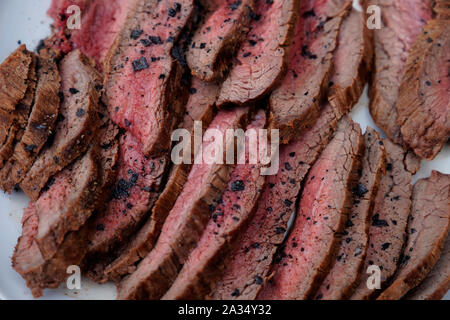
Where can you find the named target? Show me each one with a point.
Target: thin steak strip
(249, 262)
(81, 86)
(187, 219)
(44, 267)
(263, 55)
(402, 22)
(424, 96)
(324, 204)
(145, 94)
(352, 62)
(340, 281)
(238, 204)
(200, 107)
(295, 105)
(427, 231)
(214, 43)
(437, 283)
(388, 226)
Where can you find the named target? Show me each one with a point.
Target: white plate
(26, 21)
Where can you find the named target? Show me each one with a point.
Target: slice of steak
(41, 122)
(427, 231)
(200, 107)
(135, 191)
(262, 58)
(215, 42)
(46, 266)
(437, 283)
(424, 95)
(352, 62)
(186, 221)
(402, 22)
(237, 206)
(340, 281)
(388, 226)
(324, 205)
(81, 86)
(249, 263)
(295, 105)
(145, 92)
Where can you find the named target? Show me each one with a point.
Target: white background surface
(26, 20)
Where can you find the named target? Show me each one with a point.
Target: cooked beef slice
(262, 57)
(249, 263)
(145, 92)
(427, 231)
(442, 9)
(402, 22)
(44, 265)
(41, 122)
(81, 87)
(135, 191)
(215, 42)
(236, 208)
(200, 107)
(437, 282)
(387, 231)
(325, 202)
(424, 95)
(187, 219)
(352, 62)
(295, 104)
(340, 281)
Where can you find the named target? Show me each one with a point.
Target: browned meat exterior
(437, 282)
(41, 122)
(442, 9)
(424, 96)
(262, 58)
(402, 22)
(427, 231)
(237, 206)
(187, 219)
(200, 107)
(347, 267)
(81, 86)
(352, 62)
(388, 226)
(214, 43)
(248, 265)
(44, 265)
(295, 105)
(324, 205)
(135, 190)
(145, 92)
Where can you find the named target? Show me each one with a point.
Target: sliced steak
(349, 261)
(44, 264)
(248, 264)
(187, 219)
(135, 191)
(200, 107)
(424, 95)
(295, 105)
(427, 231)
(388, 226)
(81, 86)
(41, 122)
(437, 282)
(214, 43)
(352, 62)
(237, 206)
(262, 58)
(326, 200)
(402, 22)
(145, 93)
